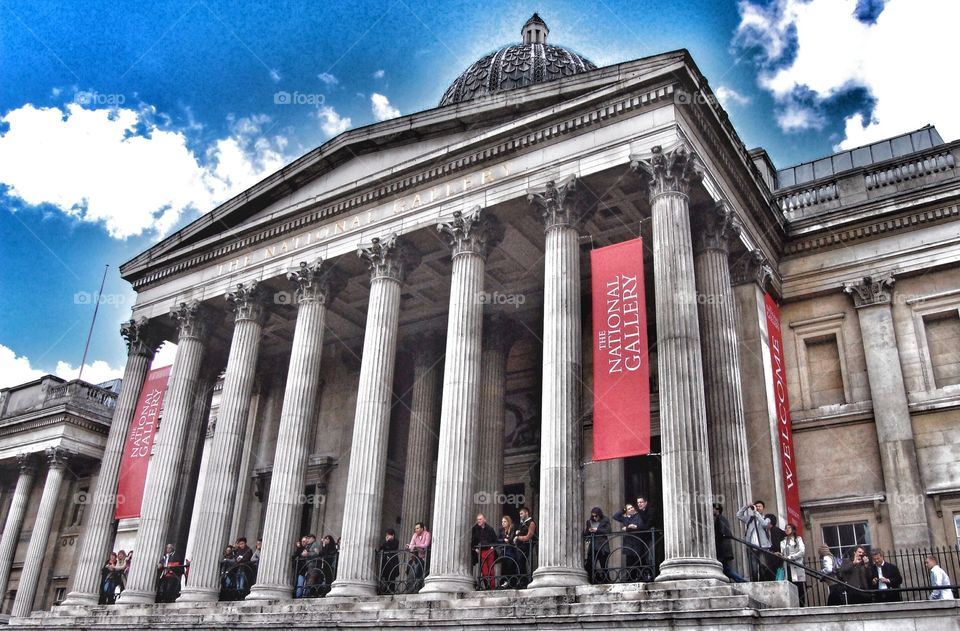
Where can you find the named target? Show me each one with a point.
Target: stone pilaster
(562, 207)
(390, 261)
(220, 480)
(424, 430)
(687, 510)
(316, 286)
(470, 236)
(160, 490)
(32, 565)
(14, 522)
(904, 489)
(727, 430)
(499, 334)
(100, 528)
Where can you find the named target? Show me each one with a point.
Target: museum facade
(396, 328)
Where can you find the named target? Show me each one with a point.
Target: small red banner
(782, 406)
(136, 451)
(621, 373)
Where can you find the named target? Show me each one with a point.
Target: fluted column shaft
(33, 564)
(363, 503)
(688, 514)
(219, 488)
(167, 460)
(14, 522)
(898, 453)
(316, 288)
(454, 509)
(497, 338)
(422, 441)
(100, 528)
(729, 458)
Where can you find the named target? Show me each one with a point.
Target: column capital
(141, 337)
(57, 457)
(393, 258)
(500, 332)
(871, 290)
(473, 232)
(247, 301)
(562, 204)
(317, 282)
(192, 319)
(27, 464)
(751, 267)
(719, 229)
(673, 171)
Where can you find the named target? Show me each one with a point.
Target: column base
(199, 595)
(136, 597)
(352, 589)
(449, 584)
(691, 568)
(80, 599)
(262, 591)
(558, 577)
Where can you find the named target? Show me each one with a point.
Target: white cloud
(379, 74)
(729, 97)
(328, 78)
(382, 110)
(899, 60)
(15, 370)
(331, 122)
(119, 168)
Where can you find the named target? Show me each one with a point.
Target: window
(825, 377)
(842, 538)
(956, 526)
(943, 343)
(61, 593)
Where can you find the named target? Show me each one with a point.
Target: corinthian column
(219, 486)
(729, 458)
(422, 439)
(470, 237)
(18, 508)
(316, 286)
(389, 261)
(167, 460)
(100, 529)
(898, 453)
(687, 510)
(30, 576)
(562, 208)
(499, 334)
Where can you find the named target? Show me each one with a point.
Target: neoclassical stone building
(399, 322)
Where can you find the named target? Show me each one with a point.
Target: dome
(515, 66)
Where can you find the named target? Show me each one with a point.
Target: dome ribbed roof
(518, 65)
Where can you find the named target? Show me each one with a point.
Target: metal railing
(401, 571)
(168, 581)
(110, 581)
(236, 579)
(503, 566)
(623, 557)
(314, 576)
(839, 592)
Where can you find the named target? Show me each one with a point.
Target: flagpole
(93, 322)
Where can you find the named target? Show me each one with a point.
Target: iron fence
(236, 579)
(314, 576)
(504, 566)
(623, 557)
(401, 571)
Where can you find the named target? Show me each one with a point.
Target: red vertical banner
(621, 373)
(136, 450)
(782, 407)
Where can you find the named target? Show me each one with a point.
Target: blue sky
(118, 125)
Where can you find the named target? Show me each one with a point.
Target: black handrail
(168, 581)
(116, 578)
(869, 593)
(636, 550)
(508, 566)
(313, 576)
(401, 571)
(236, 579)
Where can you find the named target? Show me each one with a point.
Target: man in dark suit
(884, 577)
(169, 569)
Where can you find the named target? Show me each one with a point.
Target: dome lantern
(535, 31)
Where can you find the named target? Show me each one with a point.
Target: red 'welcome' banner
(782, 408)
(621, 374)
(136, 451)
